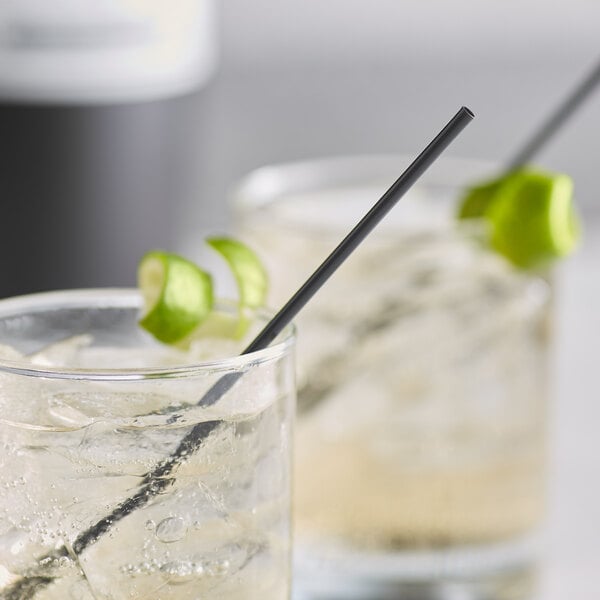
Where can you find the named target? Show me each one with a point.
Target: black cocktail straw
(159, 479)
(554, 121)
(362, 229)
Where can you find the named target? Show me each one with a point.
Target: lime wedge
(531, 216)
(177, 294)
(248, 271)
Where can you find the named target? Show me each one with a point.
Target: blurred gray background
(294, 79)
(300, 79)
(87, 189)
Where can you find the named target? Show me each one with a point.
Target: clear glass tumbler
(132, 470)
(420, 441)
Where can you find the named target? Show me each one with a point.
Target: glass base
(500, 572)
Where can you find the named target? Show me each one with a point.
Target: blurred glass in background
(420, 454)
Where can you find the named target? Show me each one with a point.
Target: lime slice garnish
(533, 219)
(531, 216)
(177, 294)
(252, 283)
(478, 199)
(248, 271)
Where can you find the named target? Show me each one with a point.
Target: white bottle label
(104, 50)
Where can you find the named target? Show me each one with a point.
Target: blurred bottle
(100, 118)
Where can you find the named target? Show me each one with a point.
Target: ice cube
(144, 357)
(62, 353)
(66, 415)
(208, 349)
(9, 353)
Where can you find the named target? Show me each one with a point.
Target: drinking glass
(420, 441)
(118, 478)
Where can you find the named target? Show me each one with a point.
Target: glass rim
(265, 184)
(122, 298)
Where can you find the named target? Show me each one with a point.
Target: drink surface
(73, 450)
(422, 402)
